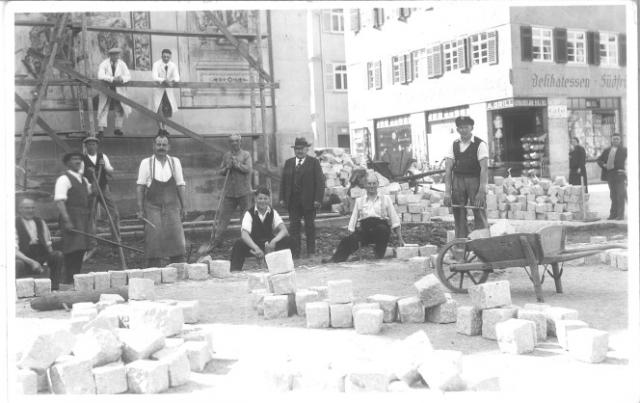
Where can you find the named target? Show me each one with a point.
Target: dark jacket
(577, 158)
(618, 163)
(312, 182)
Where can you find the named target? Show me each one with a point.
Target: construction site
(440, 313)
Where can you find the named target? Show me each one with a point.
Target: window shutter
(329, 76)
(326, 20)
(526, 43)
(378, 17)
(492, 45)
(378, 75)
(402, 76)
(438, 61)
(593, 48)
(408, 62)
(355, 19)
(370, 75)
(622, 49)
(464, 50)
(560, 45)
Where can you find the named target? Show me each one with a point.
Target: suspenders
(152, 166)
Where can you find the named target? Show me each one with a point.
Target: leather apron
(162, 208)
(77, 205)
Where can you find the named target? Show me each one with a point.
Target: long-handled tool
(471, 207)
(97, 238)
(148, 222)
(94, 217)
(206, 248)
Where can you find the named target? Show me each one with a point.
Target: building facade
(530, 77)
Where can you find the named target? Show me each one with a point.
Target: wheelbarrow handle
(462, 206)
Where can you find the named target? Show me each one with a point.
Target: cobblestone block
(284, 283)
(110, 379)
(341, 315)
(563, 327)
(280, 261)
(430, 291)
(198, 271)
(411, 310)
(490, 295)
(491, 317)
(83, 282)
(588, 345)
(117, 278)
(72, 376)
(276, 306)
(153, 273)
(303, 297)
(540, 321)
(317, 314)
(516, 336)
(147, 376)
(469, 320)
(141, 289)
(368, 321)
(388, 304)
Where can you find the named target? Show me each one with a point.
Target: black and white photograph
(212, 199)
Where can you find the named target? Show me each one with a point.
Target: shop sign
(557, 111)
(445, 114)
(604, 81)
(392, 122)
(516, 103)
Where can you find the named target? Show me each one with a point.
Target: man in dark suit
(577, 164)
(612, 161)
(301, 191)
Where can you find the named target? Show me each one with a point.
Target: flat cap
(464, 120)
(114, 50)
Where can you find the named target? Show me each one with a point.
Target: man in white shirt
(262, 231)
(466, 177)
(112, 70)
(371, 222)
(161, 200)
(72, 193)
(165, 73)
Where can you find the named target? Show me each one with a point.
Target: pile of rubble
(143, 346)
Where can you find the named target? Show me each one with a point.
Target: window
(542, 44)
(355, 20)
(401, 69)
(576, 47)
(340, 77)
(374, 75)
(337, 20)
(453, 55)
(344, 141)
(404, 13)
(378, 17)
(434, 61)
(418, 59)
(608, 49)
(484, 48)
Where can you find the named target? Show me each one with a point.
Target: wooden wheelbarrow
(473, 260)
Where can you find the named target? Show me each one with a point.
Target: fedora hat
(300, 142)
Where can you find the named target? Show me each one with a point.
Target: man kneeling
(262, 231)
(376, 218)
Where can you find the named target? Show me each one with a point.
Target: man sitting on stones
(33, 241)
(375, 217)
(262, 231)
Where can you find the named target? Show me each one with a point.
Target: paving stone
(556, 313)
(280, 261)
(198, 271)
(195, 333)
(257, 300)
(411, 310)
(182, 270)
(388, 304)
(117, 278)
(588, 345)
(190, 311)
(41, 349)
(443, 313)
(141, 289)
(138, 344)
(169, 274)
(563, 327)
(491, 317)
(340, 291)
(42, 286)
(538, 319)
(364, 305)
(276, 306)
(419, 263)
(469, 320)
(317, 314)
(101, 280)
(408, 354)
(368, 321)
(117, 298)
(167, 318)
(430, 291)
(146, 376)
(133, 273)
(198, 353)
(368, 378)
(25, 287)
(257, 281)
(76, 325)
(206, 260)
(220, 268)
(302, 298)
(110, 379)
(490, 295)
(43, 381)
(153, 273)
(284, 283)
(83, 282)
(72, 376)
(442, 370)
(99, 346)
(122, 312)
(536, 307)
(106, 322)
(407, 252)
(428, 250)
(516, 336)
(27, 381)
(173, 342)
(177, 360)
(341, 315)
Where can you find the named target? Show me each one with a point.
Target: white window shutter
(430, 68)
(326, 20)
(328, 76)
(378, 75)
(369, 75)
(492, 39)
(408, 62)
(436, 61)
(355, 19)
(402, 76)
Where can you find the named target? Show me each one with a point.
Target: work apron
(162, 208)
(77, 205)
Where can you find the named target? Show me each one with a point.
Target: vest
(77, 196)
(102, 180)
(23, 236)
(466, 163)
(261, 231)
(297, 176)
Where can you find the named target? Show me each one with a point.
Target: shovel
(207, 247)
(97, 238)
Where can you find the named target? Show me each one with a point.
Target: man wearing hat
(466, 177)
(72, 193)
(301, 191)
(165, 73)
(236, 167)
(112, 70)
(96, 165)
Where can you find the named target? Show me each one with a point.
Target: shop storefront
(393, 143)
(593, 121)
(441, 132)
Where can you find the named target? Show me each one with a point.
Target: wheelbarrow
(463, 262)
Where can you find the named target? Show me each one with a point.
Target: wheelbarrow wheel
(457, 252)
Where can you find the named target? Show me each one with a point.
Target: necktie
(166, 70)
(611, 159)
(299, 163)
(113, 69)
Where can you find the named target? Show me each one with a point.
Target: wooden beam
(49, 131)
(28, 82)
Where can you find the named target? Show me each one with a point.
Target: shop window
(344, 141)
(542, 47)
(401, 69)
(418, 60)
(608, 49)
(355, 20)
(454, 55)
(593, 121)
(434, 61)
(374, 75)
(484, 48)
(576, 47)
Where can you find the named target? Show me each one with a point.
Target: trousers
(241, 250)
(463, 192)
(73, 265)
(53, 270)
(229, 205)
(297, 212)
(617, 193)
(109, 205)
(157, 261)
(372, 230)
(103, 114)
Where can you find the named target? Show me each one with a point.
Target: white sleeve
(247, 222)
(126, 76)
(483, 151)
(107, 164)
(143, 173)
(176, 75)
(62, 187)
(277, 220)
(81, 168)
(449, 153)
(178, 172)
(102, 75)
(85, 180)
(155, 72)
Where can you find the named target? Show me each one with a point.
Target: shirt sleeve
(107, 164)
(354, 216)
(102, 75)
(483, 151)
(176, 75)
(62, 187)
(46, 234)
(143, 173)
(155, 72)
(247, 222)
(277, 220)
(178, 172)
(126, 75)
(393, 214)
(449, 153)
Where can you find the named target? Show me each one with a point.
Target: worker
(112, 70)
(301, 192)
(165, 72)
(236, 163)
(35, 256)
(72, 193)
(612, 161)
(577, 164)
(466, 177)
(262, 231)
(371, 222)
(161, 201)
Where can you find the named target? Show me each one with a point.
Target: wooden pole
(29, 82)
(52, 133)
(252, 100)
(263, 112)
(85, 68)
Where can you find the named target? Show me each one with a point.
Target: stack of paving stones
(143, 346)
(419, 257)
(273, 294)
(613, 258)
(523, 198)
(518, 330)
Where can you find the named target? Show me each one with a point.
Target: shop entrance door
(517, 124)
